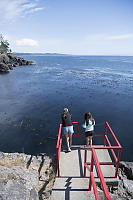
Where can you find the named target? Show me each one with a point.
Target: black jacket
(66, 119)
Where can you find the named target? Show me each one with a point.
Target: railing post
(118, 160)
(78, 128)
(91, 170)
(58, 165)
(85, 158)
(58, 146)
(105, 134)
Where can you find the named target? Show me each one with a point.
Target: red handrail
(59, 135)
(106, 192)
(111, 149)
(59, 144)
(94, 185)
(58, 149)
(119, 146)
(113, 134)
(94, 160)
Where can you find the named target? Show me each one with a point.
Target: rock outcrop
(124, 191)
(25, 176)
(9, 61)
(125, 188)
(28, 177)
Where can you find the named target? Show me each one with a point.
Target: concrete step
(71, 185)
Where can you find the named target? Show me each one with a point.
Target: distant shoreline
(63, 54)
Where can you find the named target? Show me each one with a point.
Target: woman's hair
(88, 116)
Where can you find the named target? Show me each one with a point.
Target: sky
(78, 27)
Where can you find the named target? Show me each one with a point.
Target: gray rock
(125, 188)
(18, 183)
(29, 174)
(16, 190)
(7, 62)
(33, 195)
(10, 66)
(4, 68)
(28, 177)
(15, 64)
(4, 59)
(127, 168)
(128, 185)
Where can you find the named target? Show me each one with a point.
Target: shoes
(69, 150)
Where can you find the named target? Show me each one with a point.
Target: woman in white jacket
(89, 127)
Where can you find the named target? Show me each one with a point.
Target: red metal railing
(58, 149)
(59, 144)
(119, 148)
(109, 147)
(94, 159)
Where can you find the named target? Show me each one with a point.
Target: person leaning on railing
(67, 127)
(89, 127)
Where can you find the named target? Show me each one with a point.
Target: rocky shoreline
(32, 177)
(125, 187)
(25, 176)
(9, 61)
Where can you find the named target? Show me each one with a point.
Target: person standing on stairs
(67, 128)
(89, 127)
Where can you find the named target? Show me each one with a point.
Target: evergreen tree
(4, 45)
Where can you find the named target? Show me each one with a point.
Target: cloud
(34, 10)
(12, 9)
(27, 42)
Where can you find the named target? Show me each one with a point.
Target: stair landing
(71, 185)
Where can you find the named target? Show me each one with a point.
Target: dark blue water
(33, 97)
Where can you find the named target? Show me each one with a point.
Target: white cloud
(27, 42)
(12, 9)
(34, 10)
(28, 5)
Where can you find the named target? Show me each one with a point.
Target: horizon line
(71, 54)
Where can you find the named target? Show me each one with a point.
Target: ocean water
(32, 99)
